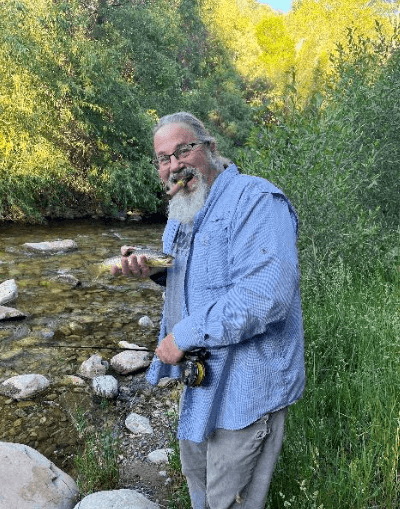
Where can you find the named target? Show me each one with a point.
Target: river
(98, 313)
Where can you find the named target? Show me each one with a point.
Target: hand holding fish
(139, 263)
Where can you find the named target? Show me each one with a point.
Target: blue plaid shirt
(239, 298)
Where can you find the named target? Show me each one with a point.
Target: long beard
(184, 206)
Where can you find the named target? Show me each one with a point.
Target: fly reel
(193, 367)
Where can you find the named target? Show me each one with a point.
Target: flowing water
(97, 313)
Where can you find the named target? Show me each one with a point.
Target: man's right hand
(133, 265)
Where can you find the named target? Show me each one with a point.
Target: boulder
(121, 499)
(130, 361)
(24, 386)
(56, 246)
(8, 291)
(29, 480)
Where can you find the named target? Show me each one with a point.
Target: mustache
(186, 174)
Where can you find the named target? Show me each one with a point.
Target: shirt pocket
(215, 246)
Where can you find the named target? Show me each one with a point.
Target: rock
(138, 424)
(94, 366)
(8, 291)
(146, 322)
(105, 386)
(69, 279)
(10, 314)
(130, 361)
(166, 381)
(72, 380)
(130, 346)
(121, 499)
(24, 386)
(29, 480)
(160, 455)
(55, 246)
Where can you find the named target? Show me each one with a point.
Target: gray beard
(184, 207)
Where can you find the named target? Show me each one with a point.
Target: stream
(96, 314)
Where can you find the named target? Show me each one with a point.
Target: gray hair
(218, 162)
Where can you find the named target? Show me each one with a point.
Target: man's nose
(175, 165)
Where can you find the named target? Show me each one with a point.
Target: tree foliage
(81, 86)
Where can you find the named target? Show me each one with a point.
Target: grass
(341, 446)
(96, 460)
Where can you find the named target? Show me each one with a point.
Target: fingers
(134, 265)
(116, 271)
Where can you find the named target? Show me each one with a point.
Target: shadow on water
(97, 313)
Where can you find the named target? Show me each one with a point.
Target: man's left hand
(168, 352)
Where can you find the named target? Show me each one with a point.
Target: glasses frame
(177, 153)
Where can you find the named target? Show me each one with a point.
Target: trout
(155, 258)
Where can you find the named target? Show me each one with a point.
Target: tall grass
(338, 161)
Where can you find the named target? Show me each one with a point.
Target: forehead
(171, 135)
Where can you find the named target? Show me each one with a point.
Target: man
(233, 289)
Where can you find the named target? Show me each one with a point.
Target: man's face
(173, 136)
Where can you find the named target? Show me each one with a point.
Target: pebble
(138, 424)
(146, 322)
(105, 386)
(159, 455)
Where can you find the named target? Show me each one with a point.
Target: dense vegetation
(81, 86)
(82, 83)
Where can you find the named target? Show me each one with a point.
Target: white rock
(29, 480)
(8, 291)
(146, 322)
(7, 313)
(24, 386)
(130, 361)
(130, 346)
(94, 366)
(51, 247)
(105, 386)
(116, 499)
(160, 455)
(138, 424)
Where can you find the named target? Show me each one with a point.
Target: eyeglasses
(180, 153)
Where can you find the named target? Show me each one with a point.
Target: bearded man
(234, 290)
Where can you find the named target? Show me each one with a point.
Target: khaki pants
(233, 469)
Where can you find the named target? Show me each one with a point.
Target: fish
(155, 258)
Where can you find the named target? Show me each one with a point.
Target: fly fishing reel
(193, 367)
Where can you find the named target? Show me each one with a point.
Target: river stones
(145, 322)
(28, 479)
(138, 424)
(159, 455)
(121, 499)
(130, 361)
(56, 246)
(8, 291)
(94, 366)
(24, 386)
(7, 313)
(105, 386)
